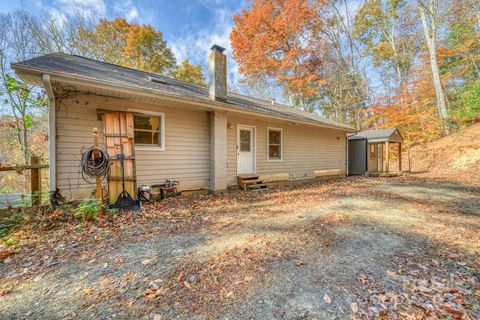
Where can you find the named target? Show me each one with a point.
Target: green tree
(189, 73)
(389, 31)
(466, 108)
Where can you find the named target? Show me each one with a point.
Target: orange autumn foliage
(411, 110)
(277, 39)
(127, 44)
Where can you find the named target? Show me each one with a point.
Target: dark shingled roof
(96, 70)
(374, 135)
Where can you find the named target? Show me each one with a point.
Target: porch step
(251, 182)
(247, 176)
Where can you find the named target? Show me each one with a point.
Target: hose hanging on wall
(93, 167)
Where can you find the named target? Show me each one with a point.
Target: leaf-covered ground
(355, 248)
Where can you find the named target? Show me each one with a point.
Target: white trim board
(161, 115)
(281, 144)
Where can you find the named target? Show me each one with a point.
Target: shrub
(8, 225)
(88, 210)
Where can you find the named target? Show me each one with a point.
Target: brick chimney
(217, 70)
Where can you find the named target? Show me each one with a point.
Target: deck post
(387, 158)
(400, 157)
(36, 182)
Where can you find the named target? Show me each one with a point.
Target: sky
(190, 27)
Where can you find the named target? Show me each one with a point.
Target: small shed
(369, 151)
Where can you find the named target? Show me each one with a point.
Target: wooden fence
(35, 177)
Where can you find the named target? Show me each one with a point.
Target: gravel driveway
(339, 249)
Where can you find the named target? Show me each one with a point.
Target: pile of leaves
(444, 287)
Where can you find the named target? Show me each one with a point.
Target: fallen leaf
(38, 278)
(299, 262)
(362, 278)
(354, 307)
(5, 292)
(5, 254)
(391, 273)
(457, 314)
(157, 317)
(327, 299)
(186, 284)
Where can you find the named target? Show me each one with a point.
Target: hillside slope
(456, 156)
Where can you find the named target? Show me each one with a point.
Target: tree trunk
(428, 18)
(25, 142)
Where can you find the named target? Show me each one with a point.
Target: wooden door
(119, 137)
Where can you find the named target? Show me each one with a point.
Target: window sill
(149, 148)
(274, 160)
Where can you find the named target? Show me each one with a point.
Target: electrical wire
(93, 167)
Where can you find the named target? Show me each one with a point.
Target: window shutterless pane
(245, 140)
(274, 144)
(274, 136)
(146, 137)
(274, 151)
(147, 123)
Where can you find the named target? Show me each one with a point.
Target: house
(369, 151)
(202, 137)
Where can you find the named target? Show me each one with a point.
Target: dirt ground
(353, 248)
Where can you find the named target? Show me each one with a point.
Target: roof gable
(379, 135)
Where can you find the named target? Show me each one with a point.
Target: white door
(245, 149)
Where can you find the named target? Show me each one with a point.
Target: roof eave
(22, 70)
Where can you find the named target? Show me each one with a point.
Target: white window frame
(268, 144)
(161, 115)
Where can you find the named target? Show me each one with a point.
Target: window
(373, 154)
(149, 130)
(245, 139)
(275, 141)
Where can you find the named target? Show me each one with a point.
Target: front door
(245, 149)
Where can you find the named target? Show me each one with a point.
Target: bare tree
(16, 45)
(428, 10)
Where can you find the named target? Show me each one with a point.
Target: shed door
(119, 136)
(357, 156)
(373, 157)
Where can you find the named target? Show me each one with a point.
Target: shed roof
(379, 135)
(79, 67)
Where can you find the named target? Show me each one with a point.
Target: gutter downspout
(52, 130)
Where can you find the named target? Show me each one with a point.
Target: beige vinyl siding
(187, 151)
(305, 149)
(186, 156)
(75, 122)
